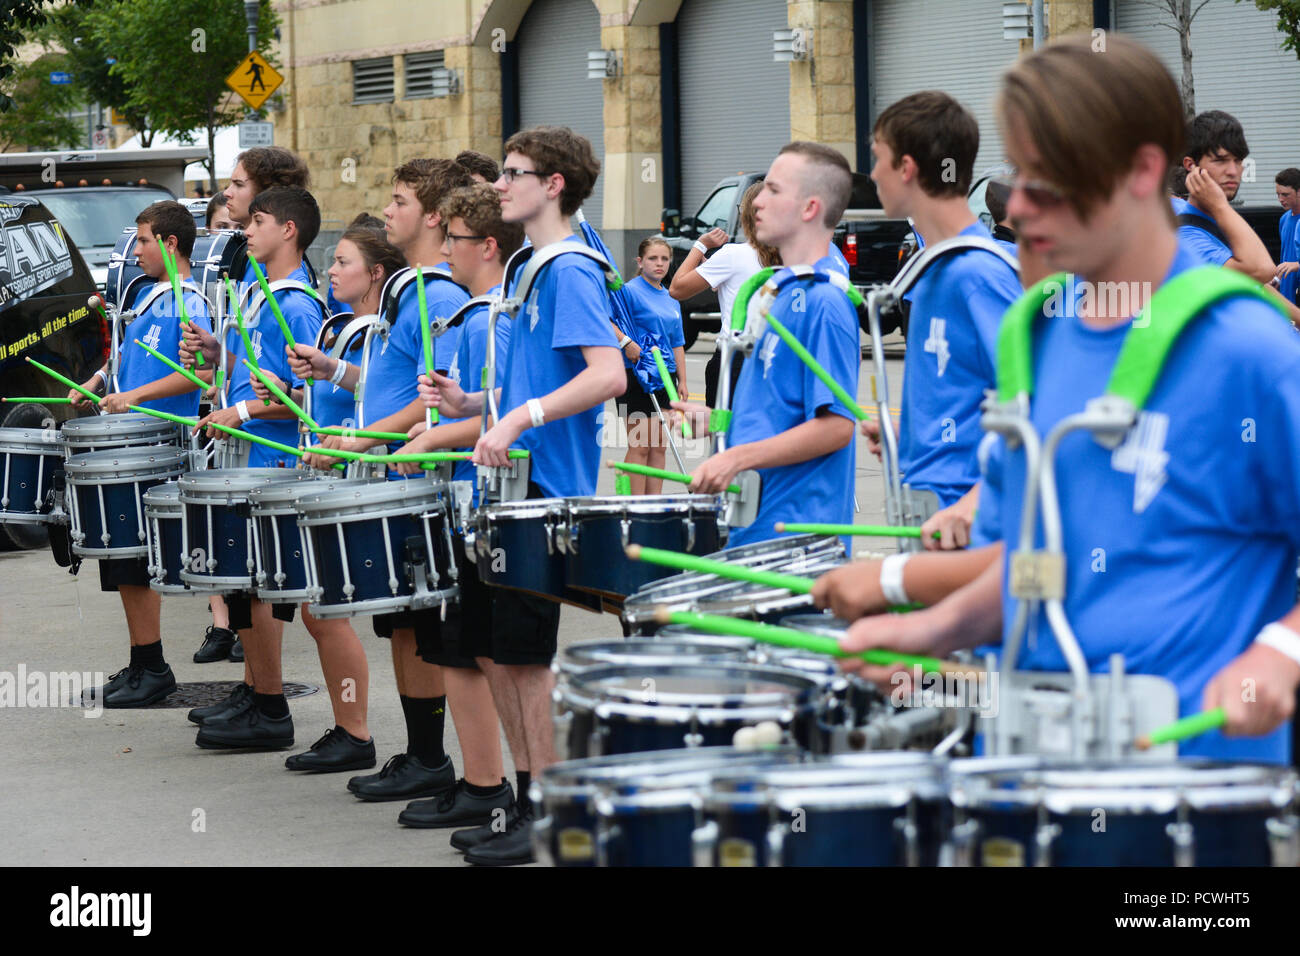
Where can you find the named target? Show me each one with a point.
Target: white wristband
(101, 374)
(891, 578)
(703, 249)
(339, 371)
(535, 413)
(623, 342)
(1282, 639)
(242, 408)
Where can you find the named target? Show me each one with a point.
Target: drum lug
(962, 842)
(625, 529)
(704, 841)
(693, 737)
(566, 533)
(689, 522)
(909, 837)
(550, 534)
(1184, 839)
(609, 835)
(560, 723)
(776, 834)
(1044, 837)
(543, 827)
(1284, 840)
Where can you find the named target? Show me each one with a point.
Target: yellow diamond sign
(254, 80)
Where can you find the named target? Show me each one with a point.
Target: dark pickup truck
(870, 242)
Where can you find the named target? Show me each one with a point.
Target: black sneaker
(217, 643)
(466, 840)
(337, 750)
(240, 697)
(247, 729)
(514, 847)
(458, 808)
(142, 687)
(237, 650)
(114, 682)
(404, 777)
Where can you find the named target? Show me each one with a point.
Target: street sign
(99, 138)
(254, 80)
(60, 78)
(117, 118)
(256, 134)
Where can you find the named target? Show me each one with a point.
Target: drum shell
(596, 532)
(117, 477)
(524, 528)
(123, 430)
(29, 457)
(164, 513)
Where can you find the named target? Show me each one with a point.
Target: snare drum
(281, 572)
(516, 546)
(29, 457)
(882, 809)
(593, 534)
(633, 809)
(216, 530)
(375, 547)
(163, 515)
(1028, 811)
(105, 491)
(693, 649)
(125, 430)
(626, 708)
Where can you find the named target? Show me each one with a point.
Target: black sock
(425, 717)
(522, 779)
(149, 656)
(272, 705)
(476, 791)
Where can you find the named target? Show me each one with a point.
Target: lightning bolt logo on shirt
(256, 338)
(533, 317)
(937, 343)
(768, 351)
(453, 371)
(151, 340)
(1143, 455)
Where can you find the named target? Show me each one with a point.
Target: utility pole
(1040, 26)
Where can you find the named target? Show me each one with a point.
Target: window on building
(420, 69)
(372, 80)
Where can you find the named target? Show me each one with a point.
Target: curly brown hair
(558, 149)
(479, 206)
(269, 166)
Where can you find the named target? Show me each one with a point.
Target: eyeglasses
(511, 173)
(452, 237)
(1042, 194)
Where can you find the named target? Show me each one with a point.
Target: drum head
(97, 428)
(125, 464)
(363, 498)
(709, 685)
(224, 483)
(652, 651)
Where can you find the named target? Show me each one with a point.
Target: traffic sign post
(254, 80)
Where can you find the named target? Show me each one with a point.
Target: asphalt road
(131, 787)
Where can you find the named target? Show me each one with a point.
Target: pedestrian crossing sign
(254, 80)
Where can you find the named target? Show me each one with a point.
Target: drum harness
(1101, 714)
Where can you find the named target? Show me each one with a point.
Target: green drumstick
(816, 643)
(690, 562)
(797, 348)
(360, 433)
(174, 366)
(45, 401)
(871, 530)
(622, 485)
(65, 380)
(1192, 726)
(174, 275)
(275, 306)
(279, 393)
(430, 414)
(659, 473)
(237, 433)
(431, 456)
(669, 387)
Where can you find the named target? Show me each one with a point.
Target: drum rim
(742, 645)
(14, 439)
(209, 482)
(279, 498)
(647, 505)
(113, 423)
(369, 492)
(148, 462)
(588, 681)
(526, 508)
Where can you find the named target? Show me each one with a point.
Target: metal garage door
(939, 45)
(1238, 65)
(554, 39)
(735, 99)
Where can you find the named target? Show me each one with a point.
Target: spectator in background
(724, 272)
(1287, 185)
(995, 197)
(217, 216)
(482, 168)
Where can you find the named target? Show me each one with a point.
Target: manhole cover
(204, 693)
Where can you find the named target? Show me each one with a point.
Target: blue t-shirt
(160, 328)
(1290, 253)
(951, 359)
(1200, 243)
(1181, 543)
(777, 392)
(838, 263)
(396, 365)
(467, 366)
(303, 315)
(567, 310)
(656, 317)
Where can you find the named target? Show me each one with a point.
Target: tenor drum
(29, 457)
(216, 532)
(516, 546)
(214, 253)
(163, 514)
(694, 649)
(106, 493)
(1036, 812)
(593, 534)
(124, 430)
(377, 547)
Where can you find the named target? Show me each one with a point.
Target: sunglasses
(1042, 194)
(511, 173)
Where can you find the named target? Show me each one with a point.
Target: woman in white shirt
(724, 272)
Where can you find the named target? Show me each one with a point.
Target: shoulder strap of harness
(533, 262)
(1200, 222)
(397, 283)
(915, 267)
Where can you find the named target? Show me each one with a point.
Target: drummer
(1196, 525)
(148, 382)
(787, 424)
(925, 147)
(285, 221)
(421, 665)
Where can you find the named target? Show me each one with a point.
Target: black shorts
(119, 572)
(240, 608)
(636, 399)
(431, 634)
(713, 371)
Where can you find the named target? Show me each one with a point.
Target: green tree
(1288, 21)
(174, 58)
(37, 113)
(20, 20)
